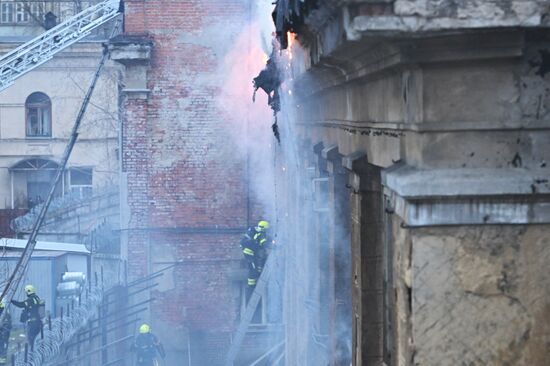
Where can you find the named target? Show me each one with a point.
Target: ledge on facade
(405, 25)
(413, 183)
(356, 18)
(343, 61)
(349, 39)
(131, 49)
(136, 93)
(468, 196)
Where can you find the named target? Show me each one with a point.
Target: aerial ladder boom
(42, 48)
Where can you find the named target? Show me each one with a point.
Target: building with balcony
(38, 111)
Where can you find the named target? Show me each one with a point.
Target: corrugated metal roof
(9, 243)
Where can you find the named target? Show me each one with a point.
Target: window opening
(38, 115)
(22, 15)
(80, 181)
(7, 12)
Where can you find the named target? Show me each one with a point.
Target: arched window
(38, 108)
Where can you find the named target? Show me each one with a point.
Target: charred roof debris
(269, 80)
(289, 17)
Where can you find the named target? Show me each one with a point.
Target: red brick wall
(187, 191)
(135, 163)
(202, 283)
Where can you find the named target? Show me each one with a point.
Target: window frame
(80, 187)
(40, 107)
(5, 5)
(22, 15)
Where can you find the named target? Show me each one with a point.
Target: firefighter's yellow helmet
(145, 328)
(263, 225)
(29, 289)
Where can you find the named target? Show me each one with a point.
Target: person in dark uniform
(5, 329)
(31, 314)
(255, 244)
(146, 345)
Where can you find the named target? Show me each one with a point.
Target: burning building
(407, 183)
(185, 166)
(418, 150)
(410, 183)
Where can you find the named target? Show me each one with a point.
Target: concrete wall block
(486, 278)
(480, 10)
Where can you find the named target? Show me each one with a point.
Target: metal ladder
(246, 318)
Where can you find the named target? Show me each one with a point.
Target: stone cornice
(377, 54)
(364, 127)
(468, 196)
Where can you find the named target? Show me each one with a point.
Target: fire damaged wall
(438, 112)
(477, 295)
(186, 192)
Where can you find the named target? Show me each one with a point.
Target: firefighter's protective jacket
(31, 308)
(146, 346)
(254, 243)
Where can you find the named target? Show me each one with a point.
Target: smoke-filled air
(274, 183)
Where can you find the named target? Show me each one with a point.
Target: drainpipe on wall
(189, 348)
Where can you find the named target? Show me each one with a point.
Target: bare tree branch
(37, 9)
(38, 19)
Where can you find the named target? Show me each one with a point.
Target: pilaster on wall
(134, 53)
(367, 252)
(321, 210)
(338, 257)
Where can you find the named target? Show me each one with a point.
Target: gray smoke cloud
(283, 180)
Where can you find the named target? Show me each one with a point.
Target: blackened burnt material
(289, 16)
(269, 80)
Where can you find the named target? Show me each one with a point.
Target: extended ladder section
(42, 48)
(246, 318)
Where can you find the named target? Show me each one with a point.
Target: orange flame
(291, 39)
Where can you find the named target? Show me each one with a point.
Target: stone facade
(437, 112)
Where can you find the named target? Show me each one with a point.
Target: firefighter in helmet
(5, 329)
(32, 314)
(146, 345)
(255, 244)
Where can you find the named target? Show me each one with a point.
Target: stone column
(367, 260)
(339, 258)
